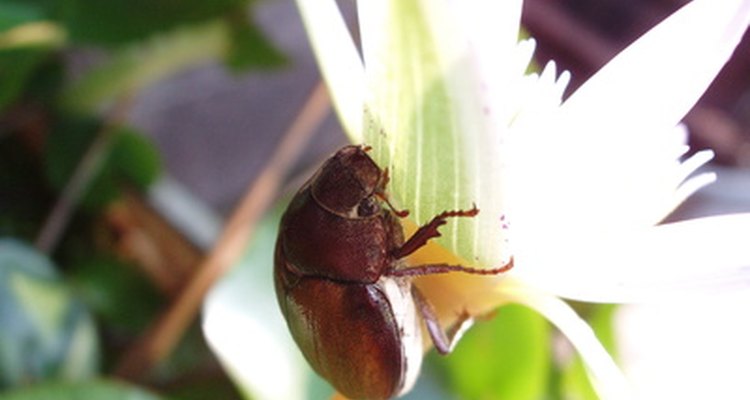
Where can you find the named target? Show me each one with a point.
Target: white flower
(442, 88)
(441, 94)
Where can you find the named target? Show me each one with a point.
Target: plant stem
(92, 160)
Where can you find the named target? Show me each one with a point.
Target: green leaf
(114, 22)
(130, 158)
(24, 196)
(426, 122)
(16, 68)
(47, 334)
(116, 293)
(15, 13)
(64, 149)
(249, 47)
(507, 357)
(27, 23)
(135, 158)
(139, 65)
(90, 390)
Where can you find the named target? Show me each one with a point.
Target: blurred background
(132, 131)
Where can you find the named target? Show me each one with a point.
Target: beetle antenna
(385, 178)
(399, 213)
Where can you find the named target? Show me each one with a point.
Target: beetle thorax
(347, 183)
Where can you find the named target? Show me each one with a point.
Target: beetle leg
(444, 341)
(430, 230)
(431, 269)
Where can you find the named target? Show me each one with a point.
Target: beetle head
(350, 183)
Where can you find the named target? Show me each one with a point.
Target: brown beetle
(344, 287)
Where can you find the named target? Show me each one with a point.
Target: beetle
(344, 287)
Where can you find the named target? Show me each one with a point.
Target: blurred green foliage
(67, 316)
(33, 31)
(23, 189)
(47, 333)
(87, 390)
(505, 357)
(114, 22)
(16, 68)
(131, 159)
(116, 293)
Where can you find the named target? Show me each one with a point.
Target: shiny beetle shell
(341, 283)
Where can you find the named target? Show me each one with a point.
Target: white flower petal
(653, 338)
(605, 375)
(693, 184)
(338, 60)
(563, 186)
(491, 28)
(695, 257)
(609, 161)
(244, 328)
(430, 119)
(656, 80)
(261, 360)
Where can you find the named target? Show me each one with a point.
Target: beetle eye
(367, 207)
